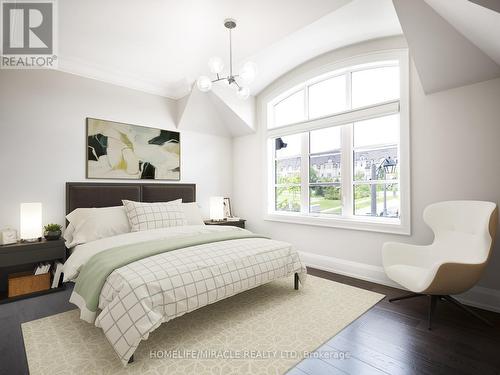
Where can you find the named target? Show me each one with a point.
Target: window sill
(364, 224)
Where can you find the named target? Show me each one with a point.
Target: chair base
(433, 299)
(296, 281)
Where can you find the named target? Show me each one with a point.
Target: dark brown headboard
(104, 194)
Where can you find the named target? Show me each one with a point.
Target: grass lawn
(334, 206)
(363, 204)
(329, 206)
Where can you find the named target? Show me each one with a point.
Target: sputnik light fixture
(216, 65)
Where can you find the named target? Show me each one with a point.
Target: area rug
(266, 330)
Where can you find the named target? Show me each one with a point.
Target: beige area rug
(269, 328)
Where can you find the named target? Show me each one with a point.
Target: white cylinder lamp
(31, 221)
(217, 208)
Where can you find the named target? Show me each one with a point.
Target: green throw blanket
(94, 273)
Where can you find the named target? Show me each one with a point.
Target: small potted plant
(52, 232)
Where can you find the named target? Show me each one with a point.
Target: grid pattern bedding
(137, 298)
(145, 216)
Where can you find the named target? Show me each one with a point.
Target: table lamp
(216, 208)
(31, 222)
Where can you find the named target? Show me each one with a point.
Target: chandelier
(216, 65)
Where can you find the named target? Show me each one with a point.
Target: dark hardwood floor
(390, 338)
(393, 338)
(12, 315)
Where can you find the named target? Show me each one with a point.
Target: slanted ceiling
(490, 4)
(445, 47)
(213, 113)
(351, 22)
(452, 42)
(165, 54)
(478, 24)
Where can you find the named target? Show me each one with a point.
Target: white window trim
(385, 225)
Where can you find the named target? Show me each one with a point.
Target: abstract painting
(121, 151)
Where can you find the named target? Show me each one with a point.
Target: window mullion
(306, 103)
(338, 119)
(348, 89)
(346, 168)
(345, 120)
(271, 176)
(346, 157)
(304, 174)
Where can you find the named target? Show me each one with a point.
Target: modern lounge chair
(464, 233)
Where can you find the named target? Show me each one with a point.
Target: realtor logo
(28, 34)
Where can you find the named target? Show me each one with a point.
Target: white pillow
(68, 233)
(193, 214)
(145, 216)
(92, 224)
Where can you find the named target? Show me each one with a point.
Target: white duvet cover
(82, 253)
(137, 298)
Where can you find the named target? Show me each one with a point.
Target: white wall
(42, 139)
(454, 155)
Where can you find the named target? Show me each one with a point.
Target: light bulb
(248, 72)
(215, 64)
(243, 93)
(204, 83)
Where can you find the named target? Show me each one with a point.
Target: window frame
(401, 106)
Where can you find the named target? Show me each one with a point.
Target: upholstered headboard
(104, 194)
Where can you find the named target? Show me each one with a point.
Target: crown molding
(148, 85)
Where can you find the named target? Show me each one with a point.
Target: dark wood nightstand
(240, 223)
(24, 256)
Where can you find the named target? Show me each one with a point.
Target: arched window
(347, 116)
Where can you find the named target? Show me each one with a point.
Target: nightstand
(240, 223)
(23, 256)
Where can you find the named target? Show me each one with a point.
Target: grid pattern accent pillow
(144, 216)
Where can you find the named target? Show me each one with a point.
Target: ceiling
(452, 43)
(356, 21)
(490, 4)
(477, 23)
(162, 46)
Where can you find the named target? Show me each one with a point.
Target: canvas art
(121, 151)
(227, 208)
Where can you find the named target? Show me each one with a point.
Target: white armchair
(464, 233)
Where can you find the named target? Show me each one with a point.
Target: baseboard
(349, 268)
(484, 298)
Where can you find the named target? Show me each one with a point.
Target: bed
(130, 283)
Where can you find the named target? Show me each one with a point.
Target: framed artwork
(227, 208)
(122, 151)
